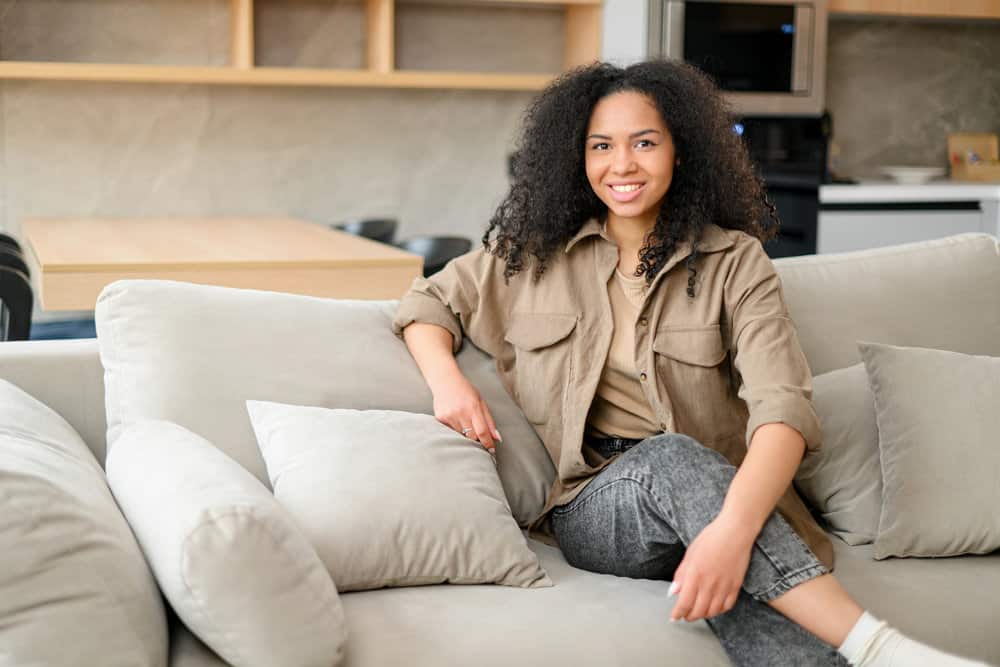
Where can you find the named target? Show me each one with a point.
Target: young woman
(633, 315)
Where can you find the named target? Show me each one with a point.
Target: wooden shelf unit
(960, 9)
(582, 45)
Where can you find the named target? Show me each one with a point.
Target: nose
(623, 161)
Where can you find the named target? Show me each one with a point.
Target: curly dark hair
(550, 197)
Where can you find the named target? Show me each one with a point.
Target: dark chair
(16, 302)
(381, 230)
(13, 259)
(6, 240)
(436, 250)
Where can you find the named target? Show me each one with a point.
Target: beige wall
(436, 160)
(896, 88)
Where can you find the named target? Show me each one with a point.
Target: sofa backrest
(942, 294)
(68, 377)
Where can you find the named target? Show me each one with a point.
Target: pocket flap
(700, 346)
(530, 331)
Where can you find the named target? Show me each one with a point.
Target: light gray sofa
(940, 294)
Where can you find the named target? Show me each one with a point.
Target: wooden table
(75, 258)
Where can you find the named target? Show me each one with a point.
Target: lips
(626, 196)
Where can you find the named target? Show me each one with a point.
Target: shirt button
(643, 321)
(642, 376)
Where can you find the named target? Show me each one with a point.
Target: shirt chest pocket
(543, 350)
(690, 363)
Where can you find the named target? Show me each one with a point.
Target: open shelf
(373, 62)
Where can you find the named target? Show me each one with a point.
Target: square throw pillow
(194, 354)
(74, 587)
(939, 443)
(843, 480)
(229, 559)
(393, 498)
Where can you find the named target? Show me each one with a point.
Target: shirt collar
(714, 239)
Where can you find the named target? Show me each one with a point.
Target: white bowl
(913, 175)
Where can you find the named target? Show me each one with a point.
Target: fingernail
(492, 451)
(672, 589)
(673, 620)
(496, 434)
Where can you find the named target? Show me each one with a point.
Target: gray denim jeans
(637, 516)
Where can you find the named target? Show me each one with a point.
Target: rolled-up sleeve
(464, 298)
(775, 380)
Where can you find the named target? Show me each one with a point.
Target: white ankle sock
(874, 643)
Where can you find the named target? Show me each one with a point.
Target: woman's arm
(775, 453)
(457, 403)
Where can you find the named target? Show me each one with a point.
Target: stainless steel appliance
(790, 152)
(769, 56)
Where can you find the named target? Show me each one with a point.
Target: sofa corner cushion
(939, 446)
(74, 587)
(194, 354)
(843, 480)
(229, 559)
(392, 498)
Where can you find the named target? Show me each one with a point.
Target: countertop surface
(888, 191)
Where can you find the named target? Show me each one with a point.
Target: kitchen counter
(890, 192)
(873, 214)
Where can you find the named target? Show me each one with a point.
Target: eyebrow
(631, 136)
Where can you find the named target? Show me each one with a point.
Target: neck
(629, 233)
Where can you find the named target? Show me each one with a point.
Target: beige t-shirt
(620, 408)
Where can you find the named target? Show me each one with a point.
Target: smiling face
(629, 156)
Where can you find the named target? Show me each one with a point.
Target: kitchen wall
(897, 87)
(434, 159)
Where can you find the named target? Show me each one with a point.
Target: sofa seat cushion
(590, 619)
(585, 619)
(950, 603)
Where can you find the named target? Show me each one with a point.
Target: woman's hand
(709, 577)
(458, 405)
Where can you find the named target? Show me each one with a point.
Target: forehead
(625, 111)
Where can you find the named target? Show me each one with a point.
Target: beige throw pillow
(939, 438)
(843, 480)
(229, 559)
(393, 498)
(194, 354)
(74, 587)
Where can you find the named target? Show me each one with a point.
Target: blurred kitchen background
(895, 84)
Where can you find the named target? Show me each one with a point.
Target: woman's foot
(874, 643)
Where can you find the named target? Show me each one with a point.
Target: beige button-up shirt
(714, 367)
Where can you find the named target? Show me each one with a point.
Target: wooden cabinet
(377, 65)
(968, 9)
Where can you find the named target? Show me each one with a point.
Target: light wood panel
(583, 20)
(969, 9)
(380, 38)
(583, 35)
(76, 257)
(271, 76)
(242, 38)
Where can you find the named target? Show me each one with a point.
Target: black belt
(607, 447)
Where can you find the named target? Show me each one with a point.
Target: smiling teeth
(625, 188)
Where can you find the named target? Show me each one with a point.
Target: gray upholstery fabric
(160, 339)
(943, 294)
(843, 480)
(613, 621)
(939, 443)
(68, 377)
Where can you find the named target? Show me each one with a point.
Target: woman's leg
(636, 518)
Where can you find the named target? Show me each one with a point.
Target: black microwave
(768, 56)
